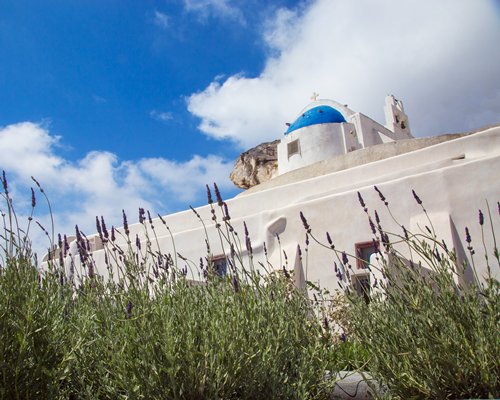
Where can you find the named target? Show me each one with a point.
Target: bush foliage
(151, 333)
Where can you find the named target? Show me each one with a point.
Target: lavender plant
(149, 331)
(427, 333)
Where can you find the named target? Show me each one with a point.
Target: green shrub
(425, 334)
(150, 333)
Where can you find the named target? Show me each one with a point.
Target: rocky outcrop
(256, 165)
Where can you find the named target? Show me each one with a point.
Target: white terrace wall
(454, 179)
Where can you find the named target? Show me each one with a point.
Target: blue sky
(112, 75)
(117, 104)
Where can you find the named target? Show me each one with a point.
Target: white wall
(316, 143)
(454, 179)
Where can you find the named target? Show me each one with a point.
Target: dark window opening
(363, 252)
(219, 265)
(293, 148)
(361, 285)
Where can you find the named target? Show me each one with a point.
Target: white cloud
(99, 183)
(161, 115)
(214, 8)
(440, 58)
(161, 19)
(185, 179)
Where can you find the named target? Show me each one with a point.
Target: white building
(328, 155)
(325, 129)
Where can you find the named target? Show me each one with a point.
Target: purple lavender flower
(329, 239)
(129, 309)
(226, 213)
(385, 240)
(66, 246)
(417, 199)
(192, 209)
(113, 237)
(78, 235)
(304, 222)
(345, 260)
(98, 226)
(162, 220)
(481, 218)
(209, 195)
(444, 245)
(382, 197)
(467, 236)
(248, 244)
(4, 183)
(362, 202)
(236, 284)
(125, 223)
(137, 241)
(372, 225)
(33, 198)
(217, 195)
(104, 229)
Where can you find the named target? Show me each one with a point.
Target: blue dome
(316, 115)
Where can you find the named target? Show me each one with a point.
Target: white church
(325, 157)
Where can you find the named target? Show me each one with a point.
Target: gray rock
(256, 165)
(355, 385)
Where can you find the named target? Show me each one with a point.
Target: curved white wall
(316, 143)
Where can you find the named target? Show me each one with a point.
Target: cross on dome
(314, 96)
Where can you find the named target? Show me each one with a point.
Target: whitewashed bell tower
(396, 119)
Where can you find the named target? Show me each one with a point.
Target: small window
(361, 285)
(219, 264)
(363, 252)
(293, 148)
